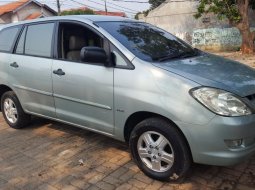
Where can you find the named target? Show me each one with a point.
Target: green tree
(137, 15)
(78, 12)
(237, 12)
(156, 3)
(145, 13)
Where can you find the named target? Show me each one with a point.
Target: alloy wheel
(155, 151)
(10, 110)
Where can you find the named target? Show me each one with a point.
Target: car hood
(214, 71)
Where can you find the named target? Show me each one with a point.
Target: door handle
(14, 64)
(59, 72)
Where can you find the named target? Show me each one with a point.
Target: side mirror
(94, 55)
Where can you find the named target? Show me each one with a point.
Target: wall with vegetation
(208, 33)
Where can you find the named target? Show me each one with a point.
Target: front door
(83, 92)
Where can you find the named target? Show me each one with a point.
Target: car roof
(88, 18)
(98, 18)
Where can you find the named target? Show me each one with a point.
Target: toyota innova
(134, 82)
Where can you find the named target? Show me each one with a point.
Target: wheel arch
(3, 89)
(137, 117)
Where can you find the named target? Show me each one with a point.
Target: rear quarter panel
(4, 66)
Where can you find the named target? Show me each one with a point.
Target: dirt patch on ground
(238, 56)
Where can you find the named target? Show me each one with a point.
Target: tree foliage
(145, 13)
(222, 9)
(78, 12)
(156, 3)
(237, 12)
(137, 15)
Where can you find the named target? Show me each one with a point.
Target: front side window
(39, 39)
(73, 37)
(119, 60)
(147, 42)
(7, 38)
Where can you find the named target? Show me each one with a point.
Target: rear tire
(160, 150)
(12, 111)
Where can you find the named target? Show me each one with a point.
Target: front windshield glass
(148, 42)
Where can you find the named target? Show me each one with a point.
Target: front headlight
(221, 102)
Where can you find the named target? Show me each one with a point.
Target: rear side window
(39, 40)
(7, 38)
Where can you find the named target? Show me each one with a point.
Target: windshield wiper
(167, 57)
(193, 53)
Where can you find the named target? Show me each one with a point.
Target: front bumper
(207, 141)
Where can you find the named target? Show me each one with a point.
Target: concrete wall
(14, 18)
(27, 10)
(33, 8)
(176, 16)
(47, 13)
(6, 18)
(217, 39)
(24, 12)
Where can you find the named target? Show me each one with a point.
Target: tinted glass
(120, 61)
(39, 39)
(7, 37)
(147, 41)
(20, 46)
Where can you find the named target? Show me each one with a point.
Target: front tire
(160, 150)
(13, 112)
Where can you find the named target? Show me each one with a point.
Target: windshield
(148, 42)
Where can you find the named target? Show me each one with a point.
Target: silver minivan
(134, 82)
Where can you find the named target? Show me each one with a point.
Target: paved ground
(49, 155)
